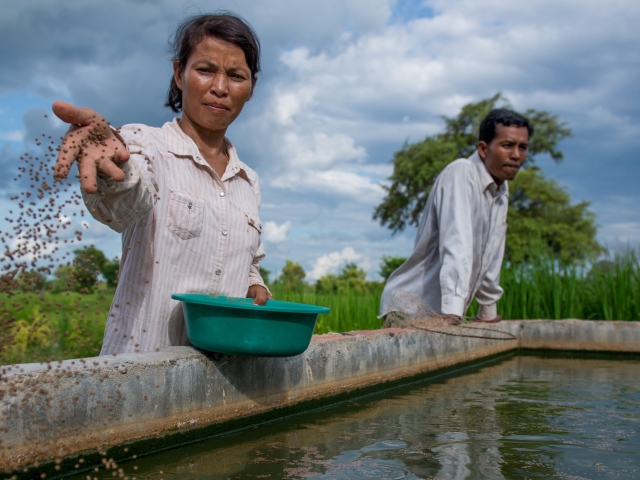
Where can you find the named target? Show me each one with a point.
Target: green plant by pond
(53, 326)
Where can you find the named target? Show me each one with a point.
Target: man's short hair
(508, 118)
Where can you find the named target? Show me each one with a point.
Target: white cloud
(12, 135)
(331, 262)
(276, 234)
(319, 151)
(287, 104)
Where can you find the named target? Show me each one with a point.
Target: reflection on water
(526, 417)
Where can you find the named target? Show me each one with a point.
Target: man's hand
(493, 320)
(260, 294)
(92, 143)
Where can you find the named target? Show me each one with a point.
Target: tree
(351, 278)
(292, 276)
(110, 270)
(327, 284)
(542, 221)
(88, 263)
(389, 264)
(264, 273)
(64, 279)
(569, 229)
(31, 281)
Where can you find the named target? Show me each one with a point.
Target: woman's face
(216, 83)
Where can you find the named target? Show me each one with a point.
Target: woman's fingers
(120, 152)
(69, 151)
(69, 113)
(91, 141)
(259, 293)
(88, 173)
(108, 168)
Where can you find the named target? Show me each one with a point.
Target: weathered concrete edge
(576, 335)
(221, 390)
(105, 401)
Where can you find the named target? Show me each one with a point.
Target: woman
(187, 207)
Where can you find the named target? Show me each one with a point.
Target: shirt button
(190, 206)
(224, 232)
(222, 194)
(218, 272)
(198, 158)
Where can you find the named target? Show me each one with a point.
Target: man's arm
(490, 290)
(454, 205)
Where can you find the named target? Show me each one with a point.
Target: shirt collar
(486, 180)
(182, 145)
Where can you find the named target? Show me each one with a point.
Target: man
(460, 243)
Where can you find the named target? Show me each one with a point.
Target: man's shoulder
(458, 170)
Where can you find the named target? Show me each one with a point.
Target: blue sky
(344, 84)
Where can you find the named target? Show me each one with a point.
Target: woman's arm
(116, 179)
(92, 143)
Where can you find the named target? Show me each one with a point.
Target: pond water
(524, 417)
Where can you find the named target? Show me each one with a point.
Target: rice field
(48, 326)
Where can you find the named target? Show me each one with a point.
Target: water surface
(525, 417)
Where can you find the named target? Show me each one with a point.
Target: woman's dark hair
(505, 117)
(224, 26)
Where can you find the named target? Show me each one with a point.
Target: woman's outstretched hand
(260, 294)
(92, 143)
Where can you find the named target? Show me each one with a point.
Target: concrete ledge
(79, 407)
(573, 334)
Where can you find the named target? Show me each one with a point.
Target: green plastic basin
(235, 326)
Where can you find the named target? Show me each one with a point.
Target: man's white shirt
(459, 246)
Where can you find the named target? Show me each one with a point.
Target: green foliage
(31, 281)
(87, 262)
(327, 284)
(292, 277)
(110, 270)
(546, 289)
(351, 279)
(52, 326)
(264, 273)
(415, 169)
(349, 311)
(543, 221)
(572, 227)
(389, 264)
(64, 280)
(82, 275)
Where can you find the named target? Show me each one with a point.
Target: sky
(344, 84)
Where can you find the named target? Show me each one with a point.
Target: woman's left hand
(260, 294)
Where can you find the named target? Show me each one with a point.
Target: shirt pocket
(254, 230)
(186, 215)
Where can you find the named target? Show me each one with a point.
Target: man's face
(506, 153)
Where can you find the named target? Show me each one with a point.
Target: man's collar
(182, 145)
(486, 180)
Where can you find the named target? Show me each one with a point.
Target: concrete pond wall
(69, 415)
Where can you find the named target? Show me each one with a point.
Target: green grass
(348, 311)
(70, 325)
(52, 326)
(608, 291)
